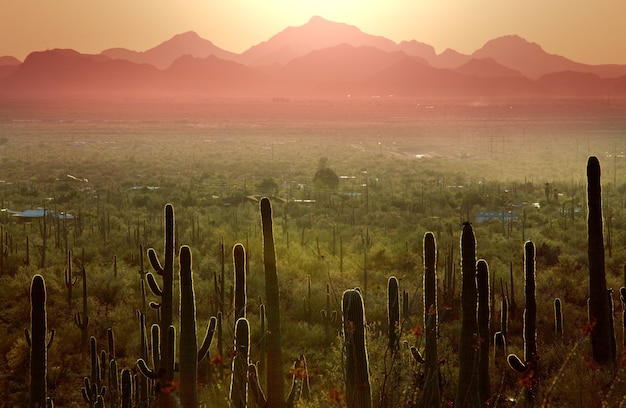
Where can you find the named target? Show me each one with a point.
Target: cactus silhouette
(482, 280)
(36, 340)
(558, 318)
(189, 354)
(70, 281)
(238, 383)
(93, 389)
(467, 389)
(358, 391)
(275, 385)
(598, 307)
(431, 393)
(393, 315)
(82, 319)
(240, 275)
(528, 366)
(165, 367)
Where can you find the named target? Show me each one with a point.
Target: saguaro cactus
(82, 319)
(238, 384)
(484, 332)
(275, 382)
(393, 315)
(69, 280)
(36, 339)
(598, 307)
(358, 391)
(189, 354)
(528, 367)
(94, 389)
(558, 318)
(188, 346)
(431, 393)
(467, 389)
(239, 258)
(166, 271)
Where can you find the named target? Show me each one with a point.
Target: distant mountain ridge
(318, 59)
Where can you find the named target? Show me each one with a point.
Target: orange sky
(585, 31)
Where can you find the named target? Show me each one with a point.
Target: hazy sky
(585, 31)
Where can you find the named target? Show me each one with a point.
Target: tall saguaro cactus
(467, 388)
(36, 339)
(238, 384)
(393, 315)
(528, 366)
(239, 258)
(166, 271)
(358, 390)
(188, 346)
(190, 355)
(275, 382)
(598, 307)
(431, 392)
(484, 332)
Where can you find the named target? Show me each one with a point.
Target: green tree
(268, 187)
(325, 176)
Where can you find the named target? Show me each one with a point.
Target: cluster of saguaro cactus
(94, 389)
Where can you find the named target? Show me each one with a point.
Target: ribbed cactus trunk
(558, 319)
(239, 258)
(37, 341)
(188, 346)
(529, 366)
(598, 307)
(484, 332)
(393, 315)
(358, 391)
(238, 383)
(166, 271)
(275, 381)
(467, 386)
(431, 391)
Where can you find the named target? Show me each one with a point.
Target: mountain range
(318, 59)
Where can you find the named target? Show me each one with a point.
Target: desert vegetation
(408, 254)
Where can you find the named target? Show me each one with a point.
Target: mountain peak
(316, 34)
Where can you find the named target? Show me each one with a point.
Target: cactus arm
(516, 363)
(146, 371)
(255, 387)
(154, 286)
(208, 338)
(154, 261)
(417, 356)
